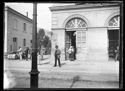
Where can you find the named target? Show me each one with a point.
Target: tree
(47, 44)
(46, 40)
(40, 37)
(43, 40)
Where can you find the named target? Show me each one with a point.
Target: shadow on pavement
(75, 79)
(44, 59)
(44, 63)
(63, 64)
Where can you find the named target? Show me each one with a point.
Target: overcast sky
(43, 12)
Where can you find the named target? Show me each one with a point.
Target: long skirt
(71, 56)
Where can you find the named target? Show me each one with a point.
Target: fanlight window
(76, 23)
(114, 22)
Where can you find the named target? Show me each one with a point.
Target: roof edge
(70, 7)
(7, 8)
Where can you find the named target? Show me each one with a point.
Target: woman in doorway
(71, 53)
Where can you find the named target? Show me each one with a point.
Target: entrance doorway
(75, 35)
(113, 37)
(70, 41)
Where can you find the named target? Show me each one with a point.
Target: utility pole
(34, 71)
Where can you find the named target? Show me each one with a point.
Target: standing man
(26, 53)
(20, 52)
(57, 56)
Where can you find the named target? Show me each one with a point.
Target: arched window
(113, 34)
(114, 22)
(76, 23)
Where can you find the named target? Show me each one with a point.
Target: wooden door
(80, 44)
(67, 45)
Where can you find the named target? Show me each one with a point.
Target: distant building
(18, 30)
(93, 30)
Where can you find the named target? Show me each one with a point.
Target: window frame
(116, 22)
(24, 42)
(15, 26)
(24, 27)
(76, 23)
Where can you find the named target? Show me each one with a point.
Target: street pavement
(72, 74)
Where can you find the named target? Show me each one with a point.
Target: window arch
(76, 23)
(114, 22)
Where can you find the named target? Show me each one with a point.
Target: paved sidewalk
(86, 74)
(86, 70)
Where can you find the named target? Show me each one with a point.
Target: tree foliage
(40, 37)
(47, 44)
(43, 40)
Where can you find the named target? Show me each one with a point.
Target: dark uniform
(57, 56)
(26, 53)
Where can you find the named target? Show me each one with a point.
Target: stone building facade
(93, 29)
(18, 30)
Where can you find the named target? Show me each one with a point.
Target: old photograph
(63, 45)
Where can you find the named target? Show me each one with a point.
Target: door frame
(65, 41)
(108, 38)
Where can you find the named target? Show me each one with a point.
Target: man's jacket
(57, 52)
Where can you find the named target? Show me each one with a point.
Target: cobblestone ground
(70, 75)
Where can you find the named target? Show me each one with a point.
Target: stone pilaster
(97, 44)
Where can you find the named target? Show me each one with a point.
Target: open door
(67, 44)
(78, 41)
(113, 36)
(81, 44)
(70, 41)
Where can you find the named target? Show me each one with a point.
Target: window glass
(24, 26)
(24, 42)
(76, 23)
(115, 22)
(15, 24)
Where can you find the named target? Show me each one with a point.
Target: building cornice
(74, 29)
(18, 14)
(74, 7)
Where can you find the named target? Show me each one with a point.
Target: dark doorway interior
(113, 36)
(71, 41)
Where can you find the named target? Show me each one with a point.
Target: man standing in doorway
(57, 56)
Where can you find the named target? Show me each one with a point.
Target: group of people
(28, 53)
(24, 55)
(71, 52)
